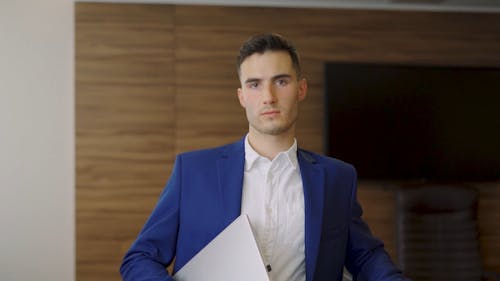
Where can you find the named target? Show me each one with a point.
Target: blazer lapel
(230, 168)
(313, 184)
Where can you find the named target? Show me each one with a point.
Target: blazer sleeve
(154, 248)
(366, 258)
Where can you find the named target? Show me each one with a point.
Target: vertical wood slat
(489, 228)
(124, 127)
(155, 80)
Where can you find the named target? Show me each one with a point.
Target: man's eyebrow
(279, 76)
(251, 80)
(275, 77)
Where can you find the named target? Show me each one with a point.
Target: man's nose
(268, 94)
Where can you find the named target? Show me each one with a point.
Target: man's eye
(253, 85)
(281, 82)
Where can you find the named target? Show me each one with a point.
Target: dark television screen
(398, 122)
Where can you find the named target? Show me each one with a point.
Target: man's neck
(270, 145)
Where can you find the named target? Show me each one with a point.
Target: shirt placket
(273, 208)
(266, 231)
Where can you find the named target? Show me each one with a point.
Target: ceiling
(488, 6)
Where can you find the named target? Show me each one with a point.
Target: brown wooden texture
(156, 80)
(489, 227)
(124, 127)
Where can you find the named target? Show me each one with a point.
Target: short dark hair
(268, 42)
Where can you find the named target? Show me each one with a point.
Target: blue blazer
(203, 196)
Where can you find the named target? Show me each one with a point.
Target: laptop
(232, 255)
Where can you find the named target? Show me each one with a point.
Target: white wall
(36, 140)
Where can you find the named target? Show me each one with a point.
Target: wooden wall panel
(124, 127)
(379, 211)
(489, 227)
(206, 83)
(185, 64)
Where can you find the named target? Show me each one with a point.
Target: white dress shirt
(273, 199)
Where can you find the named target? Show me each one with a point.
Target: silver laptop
(232, 255)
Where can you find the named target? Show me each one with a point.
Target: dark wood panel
(124, 127)
(379, 211)
(489, 228)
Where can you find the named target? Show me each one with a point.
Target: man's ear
(241, 97)
(302, 89)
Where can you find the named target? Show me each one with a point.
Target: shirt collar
(251, 156)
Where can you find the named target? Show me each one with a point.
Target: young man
(302, 206)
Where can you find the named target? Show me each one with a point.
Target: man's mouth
(270, 112)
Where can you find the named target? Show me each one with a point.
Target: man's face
(270, 92)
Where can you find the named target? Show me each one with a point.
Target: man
(302, 206)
